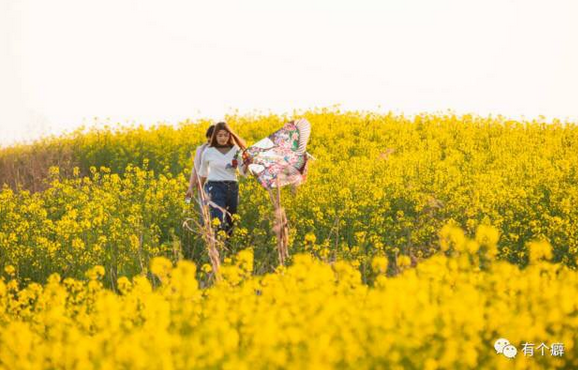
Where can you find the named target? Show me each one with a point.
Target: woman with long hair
(218, 174)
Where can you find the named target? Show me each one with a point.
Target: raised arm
(242, 159)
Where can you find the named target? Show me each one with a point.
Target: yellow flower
(124, 284)
(487, 235)
(161, 267)
(310, 238)
(452, 237)
(403, 261)
(206, 268)
(379, 264)
(539, 250)
(95, 273)
(10, 270)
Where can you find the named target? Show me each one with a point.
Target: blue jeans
(225, 194)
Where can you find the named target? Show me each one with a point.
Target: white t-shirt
(199, 155)
(216, 166)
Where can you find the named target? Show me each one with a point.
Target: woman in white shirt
(218, 174)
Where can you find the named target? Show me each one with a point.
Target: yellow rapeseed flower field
(446, 313)
(415, 243)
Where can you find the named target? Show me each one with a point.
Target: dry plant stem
(284, 228)
(208, 233)
(280, 227)
(277, 228)
(140, 251)
(205, 230)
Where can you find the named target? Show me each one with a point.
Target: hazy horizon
(143, 62)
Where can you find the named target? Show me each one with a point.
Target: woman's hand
(244, 170)
(190, 192)
(193, 183)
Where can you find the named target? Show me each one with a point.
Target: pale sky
(65, 62)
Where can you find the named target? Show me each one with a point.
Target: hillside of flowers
(416, 242)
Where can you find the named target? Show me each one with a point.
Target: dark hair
(233, 137)
(210, 130)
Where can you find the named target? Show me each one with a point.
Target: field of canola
(416, 243)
